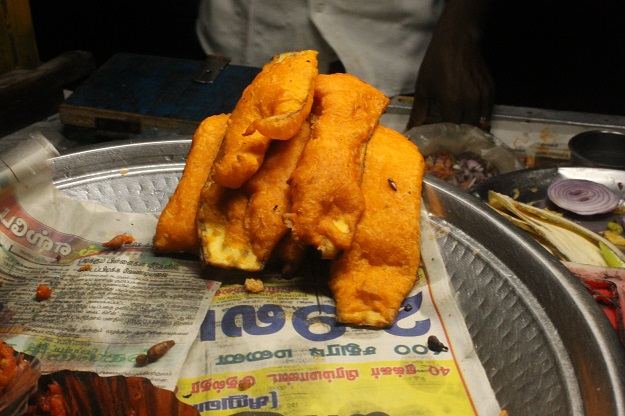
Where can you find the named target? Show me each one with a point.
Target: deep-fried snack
(176, 230)
(273, 106)
(239, 228)
(289, 103)
(50, 402)
(224, 240)
(372, 277)
(270, 193)
(334, 180)
(8, 366)
(326, 196)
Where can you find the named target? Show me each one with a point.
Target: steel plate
(530, 186)
(546, 346)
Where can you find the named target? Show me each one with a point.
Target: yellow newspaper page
(281, 352)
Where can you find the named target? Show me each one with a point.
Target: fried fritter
(373, 276)
(176, 230)
(224, 240)
(239, 228)
(326, 196)
(270, 192)
(273, 106)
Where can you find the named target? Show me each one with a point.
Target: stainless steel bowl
(598, 148)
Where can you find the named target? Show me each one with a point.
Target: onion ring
(582, 197)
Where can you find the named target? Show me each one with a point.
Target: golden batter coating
(176, 230)
(270, 193)
(224, 239)
(273, 106)
(326, 196)
(239, 228)
(373, 276)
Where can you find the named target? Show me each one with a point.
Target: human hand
(454, 83)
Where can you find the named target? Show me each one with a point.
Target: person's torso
(380, 42)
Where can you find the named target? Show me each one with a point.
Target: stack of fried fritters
(302, 162)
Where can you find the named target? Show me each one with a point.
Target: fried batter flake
(176, 230)
(333, 180)
(373, 276)
(273, 106)
(326, 196)
(254, 285)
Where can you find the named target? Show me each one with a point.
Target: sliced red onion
(582, 196)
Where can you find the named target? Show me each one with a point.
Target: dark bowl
(86, 393)
(599, 149)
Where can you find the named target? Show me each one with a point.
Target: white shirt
(381, 42)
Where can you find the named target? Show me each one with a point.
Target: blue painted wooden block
(134, 93)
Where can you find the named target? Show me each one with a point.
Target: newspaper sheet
(281, 352)
(276, 352)
(107, 305)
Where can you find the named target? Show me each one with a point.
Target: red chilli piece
(43, 292)
(118, 241)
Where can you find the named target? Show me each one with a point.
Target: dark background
(557, 54)
(105, 27)
(554, 54)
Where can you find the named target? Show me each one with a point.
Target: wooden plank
(134, 93)
(30, 95)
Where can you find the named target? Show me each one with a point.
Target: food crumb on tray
(254, 285)
(118, 241)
